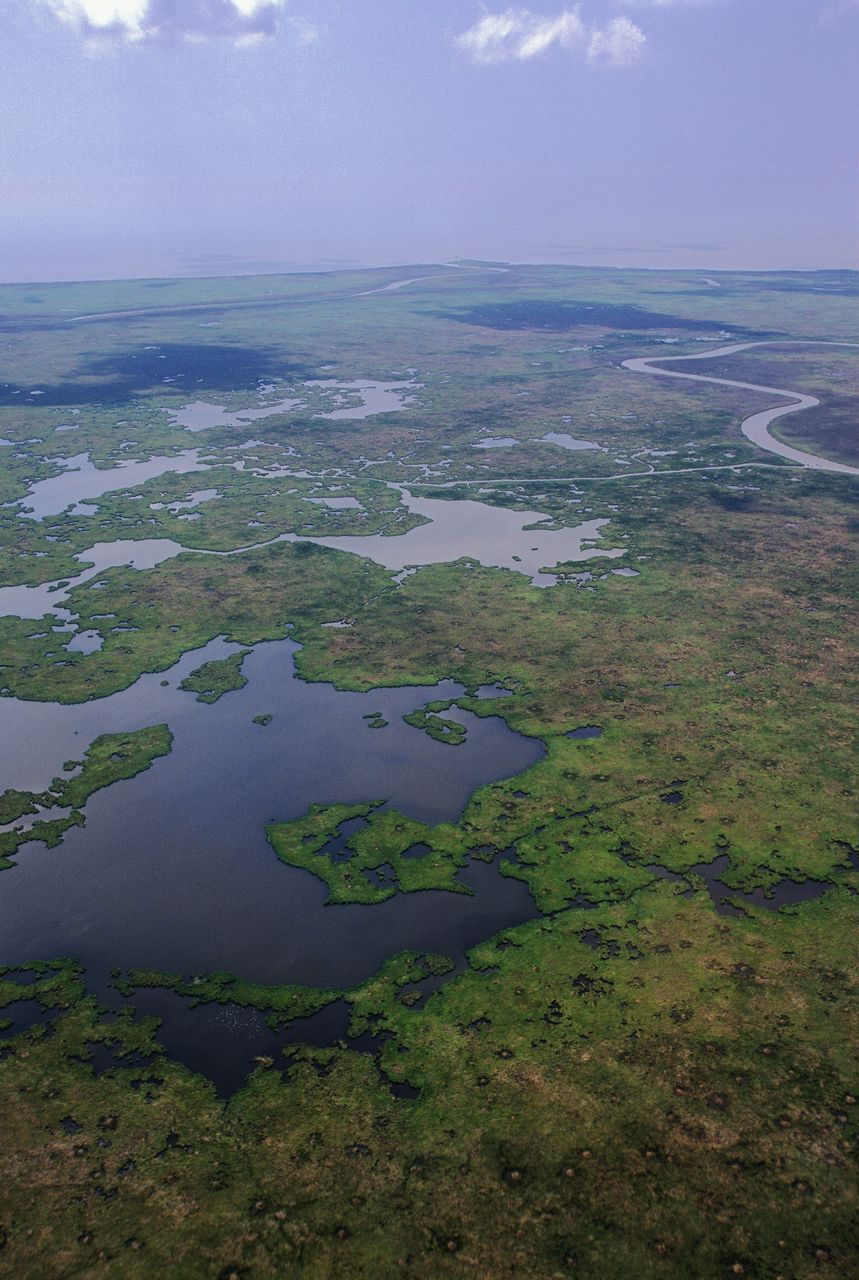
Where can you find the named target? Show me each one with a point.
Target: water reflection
(173, 870)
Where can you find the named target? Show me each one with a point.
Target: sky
(208, 137)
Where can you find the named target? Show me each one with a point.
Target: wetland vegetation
(111, 758)
(568, 943)
(213, 679)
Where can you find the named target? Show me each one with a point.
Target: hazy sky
(144, 137)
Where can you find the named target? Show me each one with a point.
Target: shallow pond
(493, 536)
(81, 480)
(375, 397)
(729, 901)
(173, 870)
(34, 602)
(338, 504)
(200, 415)
(565, 441)
(86, 642)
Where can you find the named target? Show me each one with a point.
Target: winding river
(756, 426)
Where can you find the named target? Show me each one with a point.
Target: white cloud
(519, 34)
(112, 22)
(619, 44)
(101, 14)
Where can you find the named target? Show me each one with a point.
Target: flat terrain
(484, 909)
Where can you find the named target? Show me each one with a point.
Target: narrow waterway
(756, 426)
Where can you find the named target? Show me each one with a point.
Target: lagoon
(173, 870)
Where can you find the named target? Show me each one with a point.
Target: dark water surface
(728, 901)
(173, 871)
